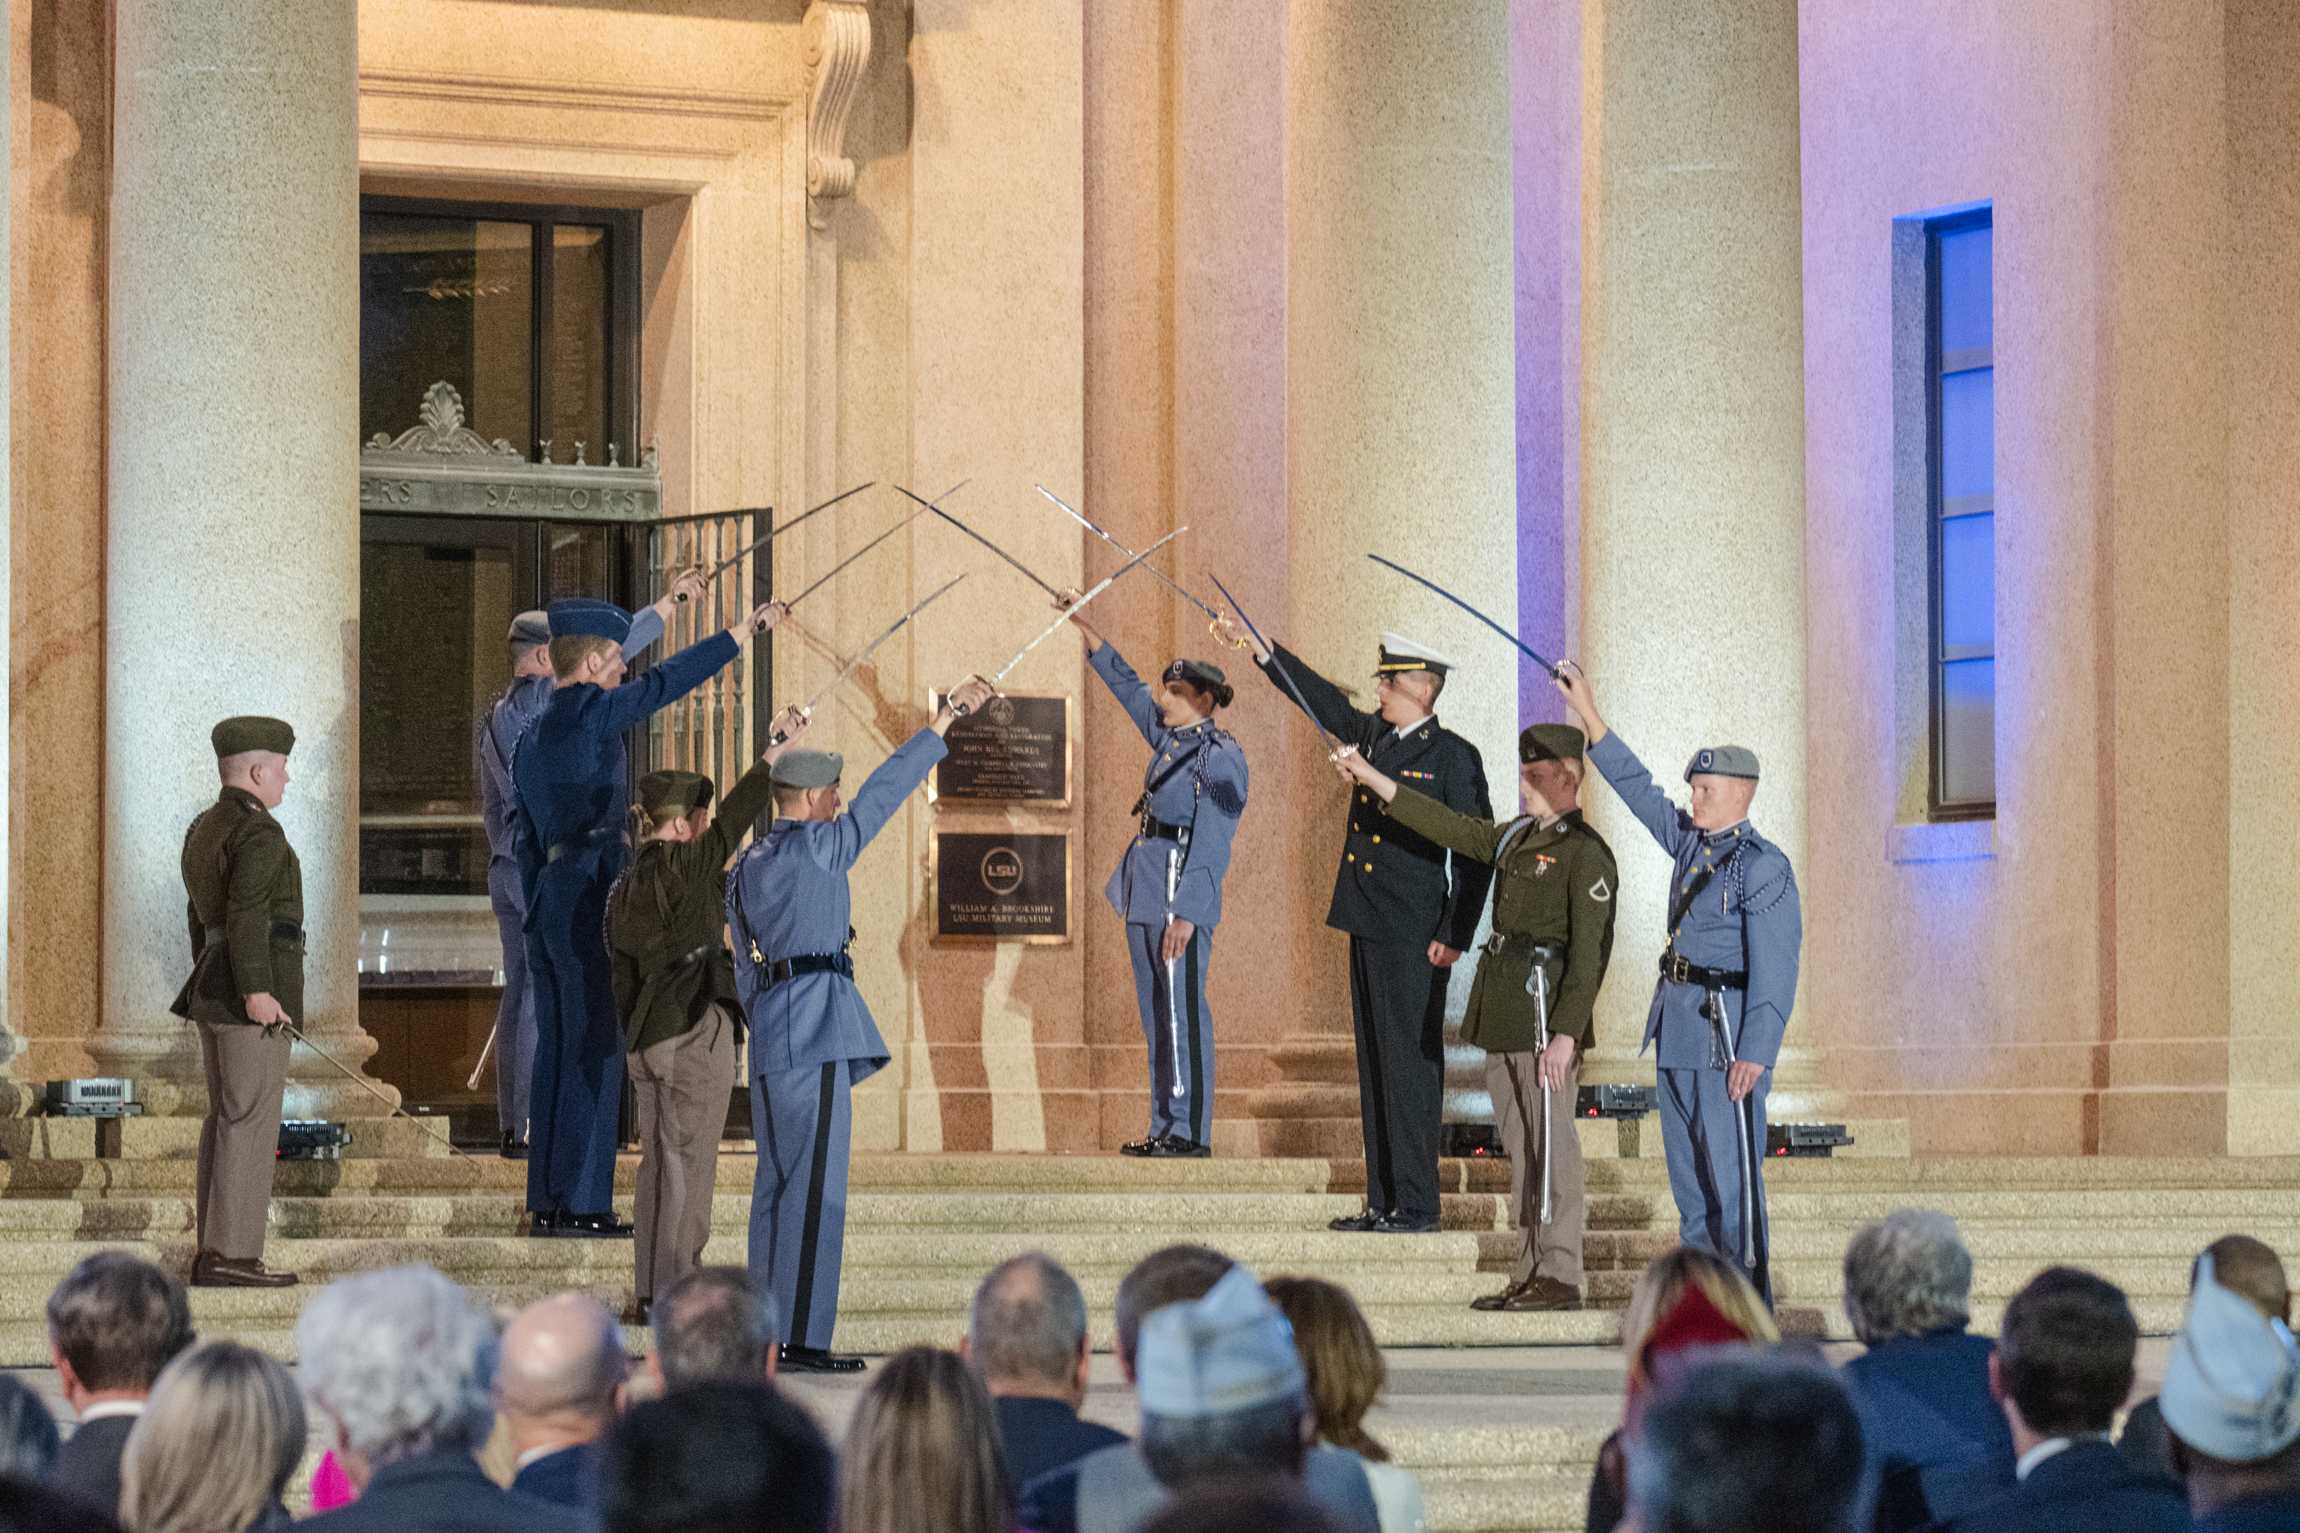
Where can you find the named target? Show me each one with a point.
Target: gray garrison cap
(1228, 1351)
(530, 628)
(2232, 1385)
(809, 769)
(251, 732)
(1723, 761)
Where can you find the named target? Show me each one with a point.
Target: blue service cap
(1723, 761)
(2232, 1385)
(1228, 1351)
(588, 617)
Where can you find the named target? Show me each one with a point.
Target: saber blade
(825, 578)
(773, 533)
(1277, 666)
(1027, 573)
(1535, 655)
(1079, 605)
(1171, 583)
(373, 1090)
(865, 652)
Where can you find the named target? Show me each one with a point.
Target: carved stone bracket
(836, 38)
(443, 431)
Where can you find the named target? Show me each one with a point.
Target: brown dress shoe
(1543, 1294)
(212, 1271)
(1493, 1301)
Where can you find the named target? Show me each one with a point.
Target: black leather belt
(1675, 968)
(809, 963)
(1155, 829)
(286, 931)
(574, 844)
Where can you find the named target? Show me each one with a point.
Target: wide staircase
(922, 1228)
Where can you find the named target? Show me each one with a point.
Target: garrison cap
(809, 769)
(588, 617)
(663, 794)
(1199, 673)
(1229, 1351)
(1400, 654)
(2232, 1384)
(1551, 742)
(530, 628)
(1723, 761)
(251, 732)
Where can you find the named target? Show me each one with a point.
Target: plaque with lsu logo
(1001, 886)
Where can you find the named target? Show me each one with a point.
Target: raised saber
(775, 532)
(1170, 582)
(1535, 655)
(1074, 608)
(866, 548)
(1277, 666)
(891, 629)
(1027, 572)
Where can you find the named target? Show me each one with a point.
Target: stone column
(1692, 434)
(232, 541)
(9, 1047)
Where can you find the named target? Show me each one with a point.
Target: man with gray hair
(557, 1389)
(1747, 1442)
(1938, 1442)
(714, 1326)
(1026, 1336)
(395, 1364)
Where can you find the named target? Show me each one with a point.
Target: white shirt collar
(106, 1408)
(1402, 730)
(2047, 1449)
(533, 1454)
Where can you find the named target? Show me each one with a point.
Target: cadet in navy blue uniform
(571, 779)
(812, 1038)
(1168, 886)
(1728, 981)
(1409, 920)
(499, 731)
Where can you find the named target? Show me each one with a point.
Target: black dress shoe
(212, 1271)
(1399, 1224)
(818, 1360)
(514, 1148)
(1140, 1147)
(1356, 1224)
(594, 1226)
(1175, 1147)
(541, 1224)
(1493, 1302)
(641, 1312)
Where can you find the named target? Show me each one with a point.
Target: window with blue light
(1961, 377)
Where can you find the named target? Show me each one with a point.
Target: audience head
(1166, 1276)
(2064, 1356)
(2250, 1270)
(1665, 1281)
(1339, 1355)
(2231, 1397)
(1748, 1442)
(113, 1323)
(1254, 1505)
(221, 1434)
(1222, 1387)
(1908, 1274)
(716, 1457)
(28, 1436)
(560, 1375)
(715, 1326)
(396, 1364)
(1026, 1333)
(923, 1451)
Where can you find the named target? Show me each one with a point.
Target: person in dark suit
(1026, 1336)
(1732, 1439)
(717, 1456)
(393, 1366)
(113, 1323)
(557, 1389)
(2063, 1364)
(1936, 1439)
(1409, 915)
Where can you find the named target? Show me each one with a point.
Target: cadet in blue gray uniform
(1728, 981)
(812, 1038)
(571, 777)
(498, 741)
(1168, 886)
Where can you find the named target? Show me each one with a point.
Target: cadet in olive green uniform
(1553, 897)
(246, 911)
(675, 992)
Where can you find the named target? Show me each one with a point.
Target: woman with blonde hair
(1346, 1374)
(923, 1451)
(1687, 1299)
(212, 1452)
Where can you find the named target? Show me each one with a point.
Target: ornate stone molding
(443, 431)
(836, 39)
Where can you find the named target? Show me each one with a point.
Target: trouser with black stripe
(1178, 1025)
(1397, 1005)
(803, 1121)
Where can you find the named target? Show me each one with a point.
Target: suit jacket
(1113, 1490)
(1042, 1436)
(445, 1492)
(244, 908)
(788, 895)
(1197, 778)
(88, 1467)
(1937, 1442)
(2258, 1514)
(1393, 884)
(569, 1477)
(665, 917)
(2086, 1488)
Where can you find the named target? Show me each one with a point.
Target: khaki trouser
(246, 1067)
(1551, 1250)
(683, 1086)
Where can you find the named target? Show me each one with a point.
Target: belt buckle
(1679, 971)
